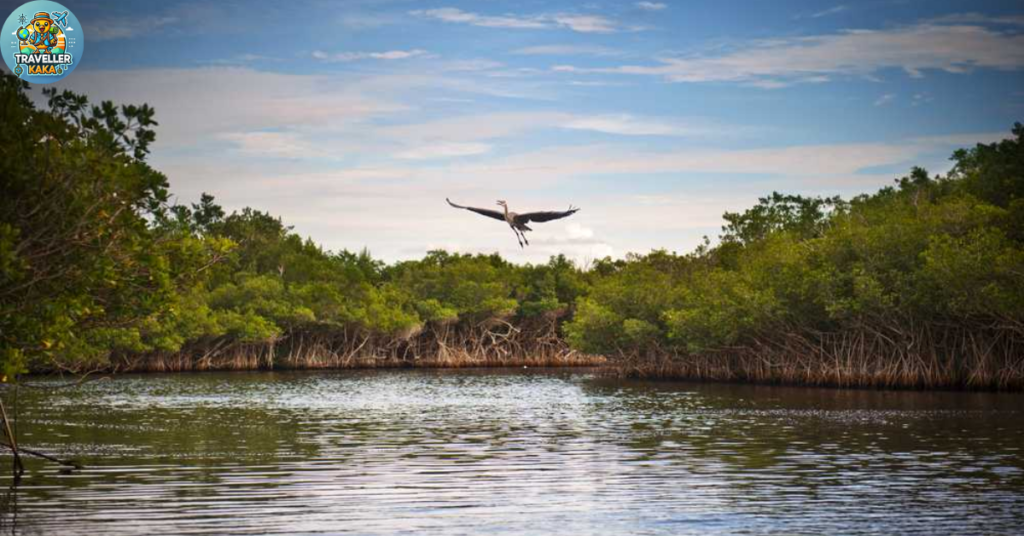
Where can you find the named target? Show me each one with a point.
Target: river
(510, 452)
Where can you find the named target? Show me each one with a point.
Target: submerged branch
(36, 453)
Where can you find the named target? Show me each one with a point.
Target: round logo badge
(42, 42)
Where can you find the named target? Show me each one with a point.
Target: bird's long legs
(516, 232)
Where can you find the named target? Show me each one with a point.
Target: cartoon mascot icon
(45, 38)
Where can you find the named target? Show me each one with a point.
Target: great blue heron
(518, 221)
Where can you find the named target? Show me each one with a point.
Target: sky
(353, 121)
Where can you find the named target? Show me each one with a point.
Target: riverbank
(928, 359)
(488, 344)
(261, 361)
(956, 358)
(842, 362)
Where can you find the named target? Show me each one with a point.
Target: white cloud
(474, 127)
(127, 27)
(885, 99)
(568, 50)
(780, 62)
(186, 18)
(827, 12)
(352, 207)
(451, 14)
(382, 167)
(584, 23)
(469, 65)
(444, 150)
(651, 6)
(798, 163)
(355, 56)
(367, 21)
(576, 231)
(575, 22)
(628, 125)
(470, 128)
(920, 98)
(275, 144)
(978, 18)
(193, 104)
(594, 83)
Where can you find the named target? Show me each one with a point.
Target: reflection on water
(469, 452)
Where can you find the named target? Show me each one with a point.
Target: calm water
(471, 452)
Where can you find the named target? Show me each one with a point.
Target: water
(500, 452)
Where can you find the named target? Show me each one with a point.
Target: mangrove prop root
(942, 357)
(493, 342)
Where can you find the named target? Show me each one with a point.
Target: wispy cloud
(200, 102)
(354, 206)
(444, 150)
(470, 65)
(240, 60)
(451, 14)
(127, 27)
(584, 23)
(275, 145)
(628, 125)
(651, 6)
(568, 50)
(595, 83)
(356, 56)
(575, 22)
(472, 128)
(355, 20)
(831, 11)
(979, 18)
(921, 98)
(476, 128)
(187, 18)
(773, 63)
(885, 99)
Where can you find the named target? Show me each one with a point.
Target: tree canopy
(99, 267)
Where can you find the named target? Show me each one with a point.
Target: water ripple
(470, 452)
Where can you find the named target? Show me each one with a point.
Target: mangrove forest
(920, 284)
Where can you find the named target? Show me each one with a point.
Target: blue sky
(354, 120)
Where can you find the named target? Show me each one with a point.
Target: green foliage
(929, 250)
(806, 217)
(95, 262)
(82, 267)
(596, 328)
(474, 287)
(992, 172)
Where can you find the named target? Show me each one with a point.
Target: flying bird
(518, 221)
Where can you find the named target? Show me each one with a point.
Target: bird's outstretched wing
(546, 215)
(482, 211)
